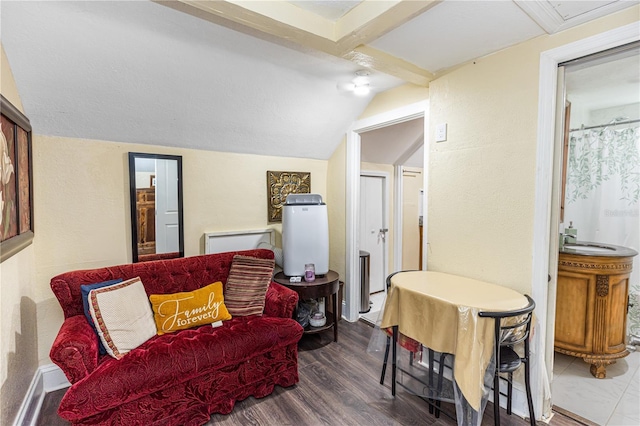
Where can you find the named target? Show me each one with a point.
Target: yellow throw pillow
(177, 311)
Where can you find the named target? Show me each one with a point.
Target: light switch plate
(441, 132)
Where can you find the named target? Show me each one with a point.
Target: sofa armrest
(280, 301)
(75, 349)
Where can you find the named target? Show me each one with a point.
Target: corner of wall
(18, 326)
(395, 98)
(336, 204)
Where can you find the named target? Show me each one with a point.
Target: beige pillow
(247, 284)
(122, 315)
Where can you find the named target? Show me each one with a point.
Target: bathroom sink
(590, 248)
(593, 248)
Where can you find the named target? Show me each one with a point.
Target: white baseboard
(54, 378)
(47, 378)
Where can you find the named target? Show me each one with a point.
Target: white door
(373, 231)
(411, 195)
(167, 240)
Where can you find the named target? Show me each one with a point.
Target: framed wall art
(16, 181)
(281, 184)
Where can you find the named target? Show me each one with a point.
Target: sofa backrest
(158, 277)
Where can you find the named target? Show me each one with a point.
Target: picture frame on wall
(279, 186)
(16, 181)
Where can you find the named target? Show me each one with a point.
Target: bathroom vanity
(591, 304)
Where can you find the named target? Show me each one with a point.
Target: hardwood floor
(339, 385)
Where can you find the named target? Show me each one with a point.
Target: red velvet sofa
(178, 378)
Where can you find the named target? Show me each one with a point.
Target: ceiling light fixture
(361, 83)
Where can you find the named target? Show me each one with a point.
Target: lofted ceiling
(263, 77)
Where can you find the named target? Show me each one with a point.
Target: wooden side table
(323, 286)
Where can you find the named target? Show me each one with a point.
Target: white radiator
(220, 242)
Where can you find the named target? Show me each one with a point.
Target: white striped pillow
(122, 315)
(247, 284)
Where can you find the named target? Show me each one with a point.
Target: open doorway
(595, 373)
(356, 139)
(390, 181)
(547, 201)
(374, 240)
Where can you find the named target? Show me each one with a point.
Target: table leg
(394, 354)
(335, 316)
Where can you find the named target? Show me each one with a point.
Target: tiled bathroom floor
(376, 301)
(614, 400)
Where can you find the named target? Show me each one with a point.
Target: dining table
(440, 310)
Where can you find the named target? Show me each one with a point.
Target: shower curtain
(603, 194)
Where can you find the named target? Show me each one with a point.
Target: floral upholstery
(178, 378)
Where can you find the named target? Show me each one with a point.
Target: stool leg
(496, 375)
(386, 357)
(440, 380)
(496, 397)
(527, 383)
(509, 390)
(394, 353)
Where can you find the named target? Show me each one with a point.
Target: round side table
(323, 286)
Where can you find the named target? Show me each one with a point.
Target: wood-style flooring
(339, 385)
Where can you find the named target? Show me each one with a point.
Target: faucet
(567, 239)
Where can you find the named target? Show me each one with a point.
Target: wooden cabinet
(591, 308)
(146, 212)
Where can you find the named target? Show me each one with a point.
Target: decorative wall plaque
(280, 185)
(16, 187)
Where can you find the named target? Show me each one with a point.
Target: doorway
(374, 226)
(545, 243)
(374, 245)
(353, 165)
(412, 229)
(385, 181)
(601, 160)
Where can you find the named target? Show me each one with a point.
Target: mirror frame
(134, 212)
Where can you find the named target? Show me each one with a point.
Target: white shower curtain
(603, 194)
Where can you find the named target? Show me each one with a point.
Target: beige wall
(482, 179)
(18, 341)
(336, 209)
(83, 219)
(395, 98)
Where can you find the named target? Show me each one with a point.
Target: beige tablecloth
(441, 311)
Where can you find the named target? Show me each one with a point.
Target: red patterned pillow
(247, 284)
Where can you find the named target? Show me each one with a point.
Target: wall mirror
(155, 183)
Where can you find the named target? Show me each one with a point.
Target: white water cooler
(305, 234)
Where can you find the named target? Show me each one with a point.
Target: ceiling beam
(372, 19)
(368, 57)
(238, 17)
(345, 38)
